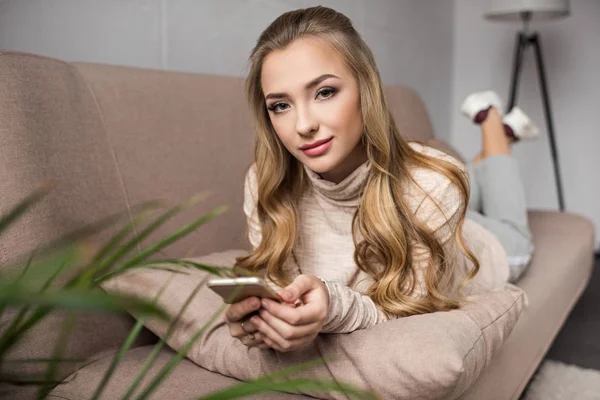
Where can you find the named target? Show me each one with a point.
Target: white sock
(480, 101)
(522, 126)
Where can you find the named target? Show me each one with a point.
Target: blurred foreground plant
(64, 276)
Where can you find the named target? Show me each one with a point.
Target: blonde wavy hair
(389, 228)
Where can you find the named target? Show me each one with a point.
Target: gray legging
(497, 203)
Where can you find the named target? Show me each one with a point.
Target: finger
(298, 315)
(237, 330)
(239, 310)
(290, 346)
(248, 327)
(295, 290)
(252, 342)
(270, 333)
(287, 331)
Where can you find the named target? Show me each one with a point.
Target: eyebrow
(309, 85)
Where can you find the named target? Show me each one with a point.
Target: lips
(315, 144)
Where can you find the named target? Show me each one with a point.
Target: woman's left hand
(286, 328)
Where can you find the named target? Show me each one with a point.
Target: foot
(519, 126)
(477, 105)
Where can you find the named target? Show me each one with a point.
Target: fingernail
(254, 320)
(286, 293)
(264, 304)
(255, 304)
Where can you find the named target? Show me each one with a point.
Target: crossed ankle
(510, 133)
(517, 125)
(482, 115)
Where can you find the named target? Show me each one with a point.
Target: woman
(356, 225)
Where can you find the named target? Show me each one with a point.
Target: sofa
(111, 137)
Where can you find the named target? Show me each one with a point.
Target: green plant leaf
(215, 270)
(17, 328)
(24, 205)
(79, 235)
(166, 370)
(18, 280)
(77, 299)
(59, 349)
(114, 242)
(42, 360)
(133, 262)
(161, 343)
(144, 370)
(137, 239)
(133, 334)
(10, 338)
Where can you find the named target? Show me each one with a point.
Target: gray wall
(483, 59)
(411, 39)
(444, 49)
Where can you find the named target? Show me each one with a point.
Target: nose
(306, 123)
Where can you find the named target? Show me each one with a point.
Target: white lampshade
(511, 10)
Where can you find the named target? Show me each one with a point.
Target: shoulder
(431, 195)
(250, 188)
(251, 180)
(251, 173)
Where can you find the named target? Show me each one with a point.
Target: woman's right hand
(236, 314)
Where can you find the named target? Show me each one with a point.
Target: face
(312, 97)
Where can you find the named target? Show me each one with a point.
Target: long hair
(389, 228)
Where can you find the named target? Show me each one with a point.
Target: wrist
(328, 298)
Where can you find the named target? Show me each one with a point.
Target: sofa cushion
(435, 355)
(558, 274)
(186, 381)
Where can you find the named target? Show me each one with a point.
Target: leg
(475, 191)
(494, 138)
(515, 242)
(495, 175)
(494, 142)
(503, 206)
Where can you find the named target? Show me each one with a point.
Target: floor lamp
(526, 11)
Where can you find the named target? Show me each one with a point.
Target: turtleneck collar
(347, 192)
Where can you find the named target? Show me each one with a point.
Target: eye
(326, 92)
(278, 107)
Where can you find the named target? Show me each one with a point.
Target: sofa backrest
(113, 137)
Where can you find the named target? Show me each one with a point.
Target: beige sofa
(112, 137)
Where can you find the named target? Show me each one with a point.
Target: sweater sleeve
(350, 310)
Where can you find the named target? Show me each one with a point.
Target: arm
(349, 310)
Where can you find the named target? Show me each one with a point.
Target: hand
(236, 314)
(286, 328)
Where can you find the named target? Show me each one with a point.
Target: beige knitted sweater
(325, 248)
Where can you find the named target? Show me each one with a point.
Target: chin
(320, 165)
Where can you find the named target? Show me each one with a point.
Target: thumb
(296, 289)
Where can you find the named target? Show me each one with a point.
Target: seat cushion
(187, 380)
(437, 355)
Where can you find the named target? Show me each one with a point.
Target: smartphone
(233, 290)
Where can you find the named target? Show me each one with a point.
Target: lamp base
(524, 40)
